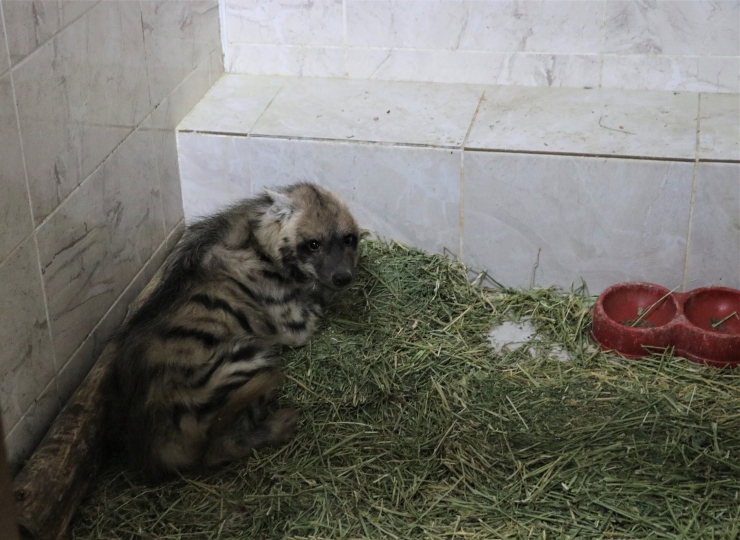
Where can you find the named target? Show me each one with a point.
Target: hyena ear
(282, 206)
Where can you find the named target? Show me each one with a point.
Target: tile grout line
(53, 37)
(113, 304)
(5, 39)
(249, 136)
(177, 88)
(152, 107)
(249, 131)
(223, 33)
(316, 139)
(251, 175)
(482, 51)
(33, 218)
(134, 129)
(344, 36)
(146, 61)
(462, 175)
(17, 425)
(581, 155)
(602, 51)
(87, 178)
(449, 147)
(44, 296)
(56, 376)
(693, 192)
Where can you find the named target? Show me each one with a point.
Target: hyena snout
(341, 278)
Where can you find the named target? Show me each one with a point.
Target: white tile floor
(610, 199)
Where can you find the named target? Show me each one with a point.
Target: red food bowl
(702, 325)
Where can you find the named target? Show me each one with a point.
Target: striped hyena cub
(196, 367)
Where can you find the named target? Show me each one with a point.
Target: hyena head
(315, 232)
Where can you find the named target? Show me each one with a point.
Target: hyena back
(196, 366)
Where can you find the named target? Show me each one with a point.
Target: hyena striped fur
(196, 366)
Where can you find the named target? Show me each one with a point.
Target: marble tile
(168, 171)
(71, 9)
(294, 22)
(78, 366)
(233, 104)
(436, 66)
(496, 26)
(23, 439)
(77, 100)
(587, 122)
(98, 239)
(409, 194)
(102, 59)
(474, 67)
(292, 60)
(693, 27)
(547, 70)
(692, 74)
(175, 235)
(603, 220)
(29, 24)
(15, 212)
(176, 106)
(4, 55)
(214, 170)
(719, 135)
(714, 246)
(216, 62)
(76, 369)
(178, 36)
(377, 111)
(27, 357)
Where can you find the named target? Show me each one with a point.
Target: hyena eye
(350, 240)
(314, 245)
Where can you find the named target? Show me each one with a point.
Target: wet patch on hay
(413, 427)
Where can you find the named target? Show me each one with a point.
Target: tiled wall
(538, 186)
(90, 94)
(632, 44)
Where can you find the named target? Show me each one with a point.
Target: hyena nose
(341, 279)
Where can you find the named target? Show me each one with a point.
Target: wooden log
(8, 522)
(49, 488)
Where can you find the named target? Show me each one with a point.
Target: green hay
(413, 428)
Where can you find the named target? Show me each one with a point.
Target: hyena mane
(196, 370)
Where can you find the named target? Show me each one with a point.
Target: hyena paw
(282, 425)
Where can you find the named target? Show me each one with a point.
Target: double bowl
(702, 325)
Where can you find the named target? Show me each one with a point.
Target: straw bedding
(413, 427)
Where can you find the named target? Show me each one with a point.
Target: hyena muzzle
(196, 371)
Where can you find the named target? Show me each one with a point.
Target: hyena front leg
(246, 436)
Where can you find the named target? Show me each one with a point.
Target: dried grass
(412, 427)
